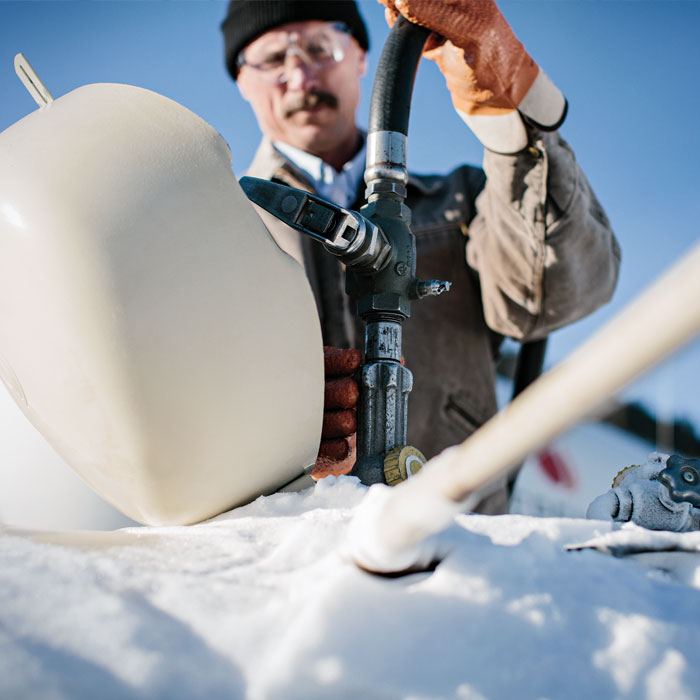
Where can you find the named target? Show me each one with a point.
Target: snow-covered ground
(264, 602)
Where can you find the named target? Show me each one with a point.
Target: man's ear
(242, 84)
(363, 64)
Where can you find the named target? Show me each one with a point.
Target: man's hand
(338, 436)
(490, 75)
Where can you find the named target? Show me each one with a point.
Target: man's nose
(300, 74)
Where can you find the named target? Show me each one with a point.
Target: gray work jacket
(540, 253)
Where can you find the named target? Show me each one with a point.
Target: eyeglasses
(318, 50)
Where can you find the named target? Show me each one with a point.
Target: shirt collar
(338, 187)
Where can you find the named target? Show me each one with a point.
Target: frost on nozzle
(637, 495)
(655, 463)
(375, 547)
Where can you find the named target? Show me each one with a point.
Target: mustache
(309, 100)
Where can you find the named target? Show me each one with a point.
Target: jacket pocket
(461, 415)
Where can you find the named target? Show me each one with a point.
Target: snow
(264, 602)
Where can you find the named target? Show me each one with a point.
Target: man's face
(313, 108)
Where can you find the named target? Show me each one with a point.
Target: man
(539, 249)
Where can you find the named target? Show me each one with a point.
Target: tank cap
(401, 463)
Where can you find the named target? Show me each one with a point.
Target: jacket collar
(269, 164)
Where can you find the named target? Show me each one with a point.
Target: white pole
(658, 321)
(32, 81)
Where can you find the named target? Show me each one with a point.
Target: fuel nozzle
(346, 234)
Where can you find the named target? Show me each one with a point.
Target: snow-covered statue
(663, 494)
(149, 327)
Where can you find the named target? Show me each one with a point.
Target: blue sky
(630, 71)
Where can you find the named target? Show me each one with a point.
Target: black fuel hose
(390, 104)
(390, 108)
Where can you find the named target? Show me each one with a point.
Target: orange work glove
(339, 433)
(491, 77)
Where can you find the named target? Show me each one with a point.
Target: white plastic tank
(150, 327)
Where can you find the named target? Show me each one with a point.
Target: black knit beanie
(248, 19)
